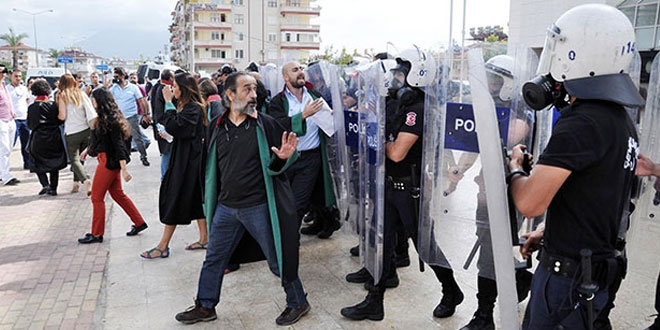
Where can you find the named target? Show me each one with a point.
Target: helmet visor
(545, 61)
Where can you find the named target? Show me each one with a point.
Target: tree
(13, 40)
(54, 54)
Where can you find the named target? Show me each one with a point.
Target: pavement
(49, 281)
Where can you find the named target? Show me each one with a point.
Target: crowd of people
(250, 164)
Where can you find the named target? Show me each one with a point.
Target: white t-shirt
(79, 118)
(20, 98)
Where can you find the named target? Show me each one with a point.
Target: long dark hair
(190, 93)
(109, 112)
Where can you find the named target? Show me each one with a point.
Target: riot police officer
(584, 176)
(404, 129)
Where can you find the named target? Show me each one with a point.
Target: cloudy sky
(128, 28)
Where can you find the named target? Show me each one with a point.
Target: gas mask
(543, 91)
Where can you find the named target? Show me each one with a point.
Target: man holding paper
(301, 110)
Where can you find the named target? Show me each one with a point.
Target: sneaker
(291, 315)
(195, 314)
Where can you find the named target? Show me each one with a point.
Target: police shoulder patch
(411, 119)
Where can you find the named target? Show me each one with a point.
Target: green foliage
(13, 40)
(342, 57)
(54, 54)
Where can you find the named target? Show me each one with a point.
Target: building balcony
(288, 27)
(204, 61)
(211, 7)
(292, 10)
(212, 44)
(302, 45)
(211, 26)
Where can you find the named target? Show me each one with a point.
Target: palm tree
(13, 40)
(54, 54)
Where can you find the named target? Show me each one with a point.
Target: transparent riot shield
(635, 72)
(325, 78)
(350, 165)
(635, 299)
(271, 76)
(371, 150)
(465, 222)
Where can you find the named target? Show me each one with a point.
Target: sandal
(75, 188)
(162, 253)
(197, 246)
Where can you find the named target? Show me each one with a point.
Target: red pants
(109, 180)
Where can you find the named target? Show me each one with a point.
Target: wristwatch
(509, 177)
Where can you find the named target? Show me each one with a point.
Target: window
(223, 18)
(240, 36)
(215, 17)
(218, 53)
(293, 3)
(238, 2)
(287, 36)
(238, 19)
(272, 37)
(239, 53)
(222, 36)
(644, 16)
(215, 35)
(272, 3)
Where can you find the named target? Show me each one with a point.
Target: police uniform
(597, 142)
(400, 206)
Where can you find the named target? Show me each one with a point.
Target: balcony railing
(301, 44)
(316, 10)
(286, 26)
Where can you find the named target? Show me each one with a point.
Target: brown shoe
(195, 314)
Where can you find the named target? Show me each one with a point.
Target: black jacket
(112, 142)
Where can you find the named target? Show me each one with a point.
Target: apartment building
(26, 56)
(205, 34)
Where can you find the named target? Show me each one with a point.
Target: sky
(130, 28)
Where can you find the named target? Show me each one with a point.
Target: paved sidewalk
(47, 281)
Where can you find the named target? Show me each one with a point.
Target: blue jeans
(227, 229)
(164, 164)
(136, 133)
(550, 305)
(23, 132)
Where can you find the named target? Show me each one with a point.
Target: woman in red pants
(110, 143)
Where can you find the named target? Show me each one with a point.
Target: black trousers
(400, 212)
(303, 175)
(54, 178)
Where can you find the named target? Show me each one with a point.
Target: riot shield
(635, 72)
(271, 76)
(350, 165)
(371, 149)
(635, 299)
(464, 210)
(326, 80)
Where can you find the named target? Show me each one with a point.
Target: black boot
(402, 260)
(330, 222)
(313, 229)
(486, 295)
(371, 308)
(523, 283)
(481, 320)
(392, 281)
(355, 251)
(452, 295)
(361, 276)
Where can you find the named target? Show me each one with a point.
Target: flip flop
(163, 253)
(197, 246)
